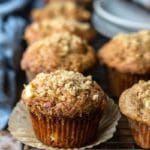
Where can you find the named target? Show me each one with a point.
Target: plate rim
(117, 20)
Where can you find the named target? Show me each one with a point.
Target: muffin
(127, 60)
(65, 108)
(84, 3)
(38, 30)
(135, 104)
(66, 9)
(58, 51)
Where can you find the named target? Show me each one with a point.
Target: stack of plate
(113, 16)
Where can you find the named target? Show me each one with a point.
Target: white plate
(107, 28)
(123, 13)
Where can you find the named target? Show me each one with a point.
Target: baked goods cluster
(66, 106)
(127, 60)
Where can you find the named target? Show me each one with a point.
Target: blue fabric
(11, 33)
(8, 6)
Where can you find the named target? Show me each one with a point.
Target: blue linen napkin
(12, 25)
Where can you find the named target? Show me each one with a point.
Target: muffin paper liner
(141, 133)
(65, 132)
(119, 82)
(21, 128)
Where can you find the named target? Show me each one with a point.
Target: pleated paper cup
(65, 132)
(141, 133)
(119, 82)
(21, 127)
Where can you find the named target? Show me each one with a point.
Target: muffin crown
(135, 102)
(59, 51)
(128, 53)
(67, 9)
(61, 22)
(83, 2)
(38, 30)
(63, 93)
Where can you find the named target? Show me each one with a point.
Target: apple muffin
(58, 51)
(65, 108)
(127, 60)
(135, 104)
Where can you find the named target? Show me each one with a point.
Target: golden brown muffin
(85, 3)
(61, 9)
(58, 51)
(127, 59)
(135, 104)
(38, 30)
(65, 108)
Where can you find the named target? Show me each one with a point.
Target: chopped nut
(95, 97)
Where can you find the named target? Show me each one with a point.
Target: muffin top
(66, 9)
(129, 53)
(80, 2)
(59, 51)
(63, 94)
(135, 102)
(38, 30)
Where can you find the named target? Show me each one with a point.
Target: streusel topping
(38, 30)
(59, 51)
(135, 102)
(61, 6)
(62, 90)
(82, 2)
(48, 84)
(67, 9)
(61, 22)
(128, 52)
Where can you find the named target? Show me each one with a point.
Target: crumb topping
(83, 2)
(66, 42)
(66, 9)
(57, 6)
(60, 50)
(38, 30)
(62, 22)
(47, 84)
(135, 102)
(61, 90)
(128, 52)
